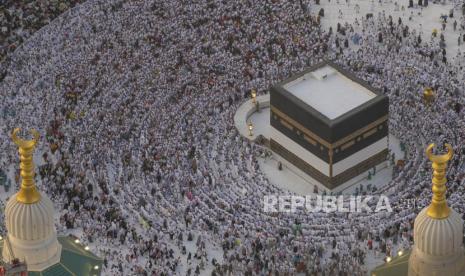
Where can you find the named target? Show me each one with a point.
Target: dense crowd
(20, 19)
(135, 101)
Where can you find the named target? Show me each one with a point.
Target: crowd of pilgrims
(135, 101)
(20, 19)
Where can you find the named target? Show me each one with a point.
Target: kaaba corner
(329, 123)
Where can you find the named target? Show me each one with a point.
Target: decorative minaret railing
(28, 192)
(438, 208)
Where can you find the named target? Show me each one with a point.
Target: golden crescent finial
(25, 143)
(438, 208)
(439, 158)
(28, 192)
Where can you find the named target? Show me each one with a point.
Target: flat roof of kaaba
(364, 104)
(363, 111)
(329, 92)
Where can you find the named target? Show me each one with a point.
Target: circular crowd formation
(135, 100)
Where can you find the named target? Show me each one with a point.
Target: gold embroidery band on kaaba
(365, 131)
(286, 124)
(347, 145)
(370, 132)
(310, 140)
(300, 127)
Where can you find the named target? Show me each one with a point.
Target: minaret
(438, 230)
(29, 216)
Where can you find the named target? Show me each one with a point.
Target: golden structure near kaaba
(428, 95)
(254, 96)
(28, 193)
(250, 126)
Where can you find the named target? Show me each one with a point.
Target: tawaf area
(211, 138)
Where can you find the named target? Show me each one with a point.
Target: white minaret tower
(29, 217)
(438, 231)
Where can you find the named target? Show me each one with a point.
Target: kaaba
(329, 123)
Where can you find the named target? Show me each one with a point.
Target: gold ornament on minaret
(28, 192)
(438, 208)
(428, 95)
